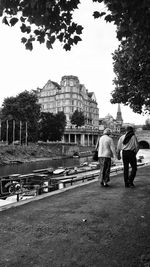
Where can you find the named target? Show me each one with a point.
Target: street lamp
(7, 126)
(26, 133)
(20, 131)
(13, 131)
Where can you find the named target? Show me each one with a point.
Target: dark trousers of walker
(129, 159)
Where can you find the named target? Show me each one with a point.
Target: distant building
(119, 119)
(69, 96)
(114, 124)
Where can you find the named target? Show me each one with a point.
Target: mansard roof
(52, 82)
(92, 96)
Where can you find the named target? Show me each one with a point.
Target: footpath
(86, 226)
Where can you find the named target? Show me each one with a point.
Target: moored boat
(45, 171)
(59, 170)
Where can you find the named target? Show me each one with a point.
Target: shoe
(127, 185)
(106, 185)
(132, 185)
(102, 184)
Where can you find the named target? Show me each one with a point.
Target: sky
(90, 60)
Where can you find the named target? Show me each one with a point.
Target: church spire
(119, 115)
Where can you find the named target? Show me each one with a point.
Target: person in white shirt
(106, 150)
(129, 146)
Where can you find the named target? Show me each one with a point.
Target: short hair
(107, 131)
(129, 129)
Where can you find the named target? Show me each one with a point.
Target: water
(28, 167)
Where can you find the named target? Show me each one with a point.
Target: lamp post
(7, 126)
(26, 133)
(13, 131)
(0, 129)
(20, 131)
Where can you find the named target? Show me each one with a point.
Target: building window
(71, 83)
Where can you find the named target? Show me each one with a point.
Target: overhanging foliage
(44, 21)
(132, 58)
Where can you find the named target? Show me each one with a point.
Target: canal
(28, 167)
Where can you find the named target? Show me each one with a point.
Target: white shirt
(131, 145)
(106, 147)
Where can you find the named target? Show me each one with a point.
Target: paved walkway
(88, 226)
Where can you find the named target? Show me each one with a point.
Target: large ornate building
(69, 96)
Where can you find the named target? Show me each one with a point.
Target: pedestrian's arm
(119, 147)
(97, 144)
(136, 145)
(113, 149)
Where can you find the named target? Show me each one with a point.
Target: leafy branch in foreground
(44, 21)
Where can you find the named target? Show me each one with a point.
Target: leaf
(79, 29)
(70, 41)
(60, 37)
(23, 28)
(71, 29)
(67, 47)
(13, 21)
(48, 44)
(28, 29)
(52, 39)
(97, 14)
(23, 40)
(22, 19)
(109, 18)
(29, 46)
(77, 39)
(37, 32)
(5, 21)
(100, 1)
(41, 39)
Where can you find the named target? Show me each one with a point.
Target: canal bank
(87, 226)
(11, 154)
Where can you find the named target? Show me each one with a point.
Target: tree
(147, 125)
(25, 108)
(51, 126)
(46, 21)
(78, 118)
(51, 20)
(132, 82)
(130, 17)
(43, 21)
(132, 58)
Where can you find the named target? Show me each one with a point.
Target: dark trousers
(129, 158)
(105, 164)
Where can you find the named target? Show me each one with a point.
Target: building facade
(69, 96)
(114, 124)
(119, 119)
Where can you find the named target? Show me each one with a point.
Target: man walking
(106, 150)
(129, 146)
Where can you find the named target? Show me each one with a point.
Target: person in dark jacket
(129, 146)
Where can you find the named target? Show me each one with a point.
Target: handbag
(95, 156)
